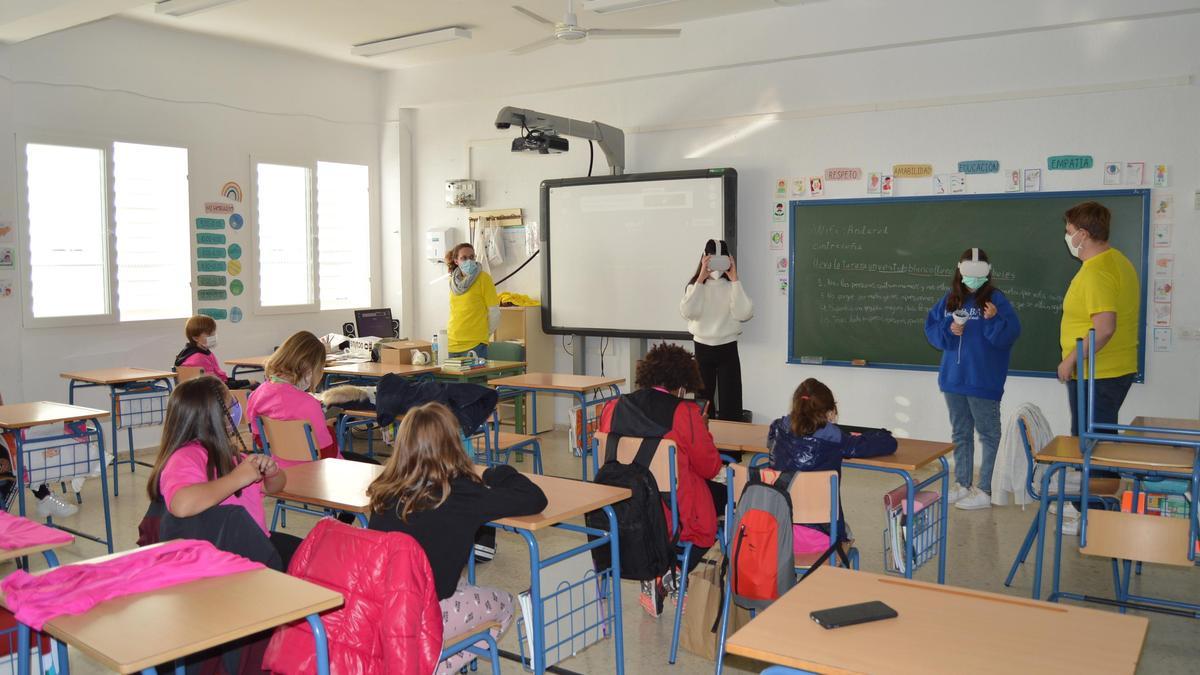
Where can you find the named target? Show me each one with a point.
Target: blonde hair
(300, 355)
(427, 455)
(199, 325)
(452, 255)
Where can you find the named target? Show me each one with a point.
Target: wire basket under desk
(924, 528)
(143, 406)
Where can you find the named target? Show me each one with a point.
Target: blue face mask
(469, 267)
(235, 413)
(974, 283)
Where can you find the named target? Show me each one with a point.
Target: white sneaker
(53, 506)
(957, 492)
(978, 499)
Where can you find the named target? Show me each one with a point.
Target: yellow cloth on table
(518, 299)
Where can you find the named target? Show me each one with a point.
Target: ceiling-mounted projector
(541, 143)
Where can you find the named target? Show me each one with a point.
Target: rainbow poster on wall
(232, 191)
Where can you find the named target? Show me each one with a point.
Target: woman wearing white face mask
(1103, 295)
(975, 328)
(474, 305)
(715, 306)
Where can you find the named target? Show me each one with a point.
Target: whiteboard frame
(1082, 195)
(728, 178)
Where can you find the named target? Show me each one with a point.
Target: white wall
(226, 102)
(1115, 89)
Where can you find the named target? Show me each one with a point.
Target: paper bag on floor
(702, 612)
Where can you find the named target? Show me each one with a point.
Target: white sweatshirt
(715, 311)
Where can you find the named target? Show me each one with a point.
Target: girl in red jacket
(664, 376)
(429, 490)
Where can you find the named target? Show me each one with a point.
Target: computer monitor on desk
(374, 323)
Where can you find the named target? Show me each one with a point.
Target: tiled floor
(980, 549)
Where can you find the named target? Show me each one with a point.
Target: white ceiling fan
(569, 30)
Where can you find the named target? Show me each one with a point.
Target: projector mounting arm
(610, 138)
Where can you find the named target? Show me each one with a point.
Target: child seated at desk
(293, 373)
(202, 462)
(201, 334)
(665, 374)
(809, 439)
(429, 490)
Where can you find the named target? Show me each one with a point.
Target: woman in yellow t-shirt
(474, 306)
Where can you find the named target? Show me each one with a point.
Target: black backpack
(647, 548)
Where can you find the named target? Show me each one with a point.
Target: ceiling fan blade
(535, 17)
(534, 46)
(634, 32)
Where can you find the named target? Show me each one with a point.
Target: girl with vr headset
(716, 306)
(975, 327)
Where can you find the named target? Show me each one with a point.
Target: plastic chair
(816, 498)
(1105, 490)
(466, 642)
(663, 467)
(291, 440)
(185, 373)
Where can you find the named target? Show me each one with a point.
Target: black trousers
(721, 371)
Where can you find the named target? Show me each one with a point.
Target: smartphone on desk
(848, 615)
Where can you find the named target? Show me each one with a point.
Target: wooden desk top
(911, 454)
(118, 375)
(12, 554)
(371, 369)
(24, 415)
(342, 484)
(557, 381)
(1168, 423)
(491, 367)
(1021, 636)
(138, 631)
(1139, 456)
(249, 361)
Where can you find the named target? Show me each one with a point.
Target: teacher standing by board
(715, 306)
(474, 305)
(975, 327)
(1104, 295)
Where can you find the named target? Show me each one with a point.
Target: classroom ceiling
(329, 28)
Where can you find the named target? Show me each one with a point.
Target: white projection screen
(617, 251)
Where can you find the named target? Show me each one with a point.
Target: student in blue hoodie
(975, 327)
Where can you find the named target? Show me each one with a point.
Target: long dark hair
(811, 404)
(197, 412)
(959, 292)
(710, 248)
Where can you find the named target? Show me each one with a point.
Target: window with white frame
(285, 237)
(66, 193)
(150, 192)
(343, 235)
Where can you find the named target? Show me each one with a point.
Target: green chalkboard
(865, 272)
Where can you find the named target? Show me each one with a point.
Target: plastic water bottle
(435, 359)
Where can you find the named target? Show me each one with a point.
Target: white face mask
(714, 274)
(1068, 237)
(211, 341)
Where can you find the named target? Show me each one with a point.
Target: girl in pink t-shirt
(202, 462)
(293, 372)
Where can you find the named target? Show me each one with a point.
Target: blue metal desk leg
(945, 519)
(322, 645)
(537, 660)
(1043, 508)
(618, 629)
(108, 537)
(116, 441)
(23, 655)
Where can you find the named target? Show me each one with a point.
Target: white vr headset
(974, 267)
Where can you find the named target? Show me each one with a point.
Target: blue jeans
(1110, 394)
(969, 414)
(479, 349)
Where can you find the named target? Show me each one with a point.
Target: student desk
(910, 457)
(370, 371)
(138, 399)
(16, 418)
(342, 485)
(22, 631)
(246, 365)
(579, 386)
(991, 632)
(1164, 540)
(484, 376)
(137, 632)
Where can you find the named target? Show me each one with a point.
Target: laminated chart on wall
(218, 255)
